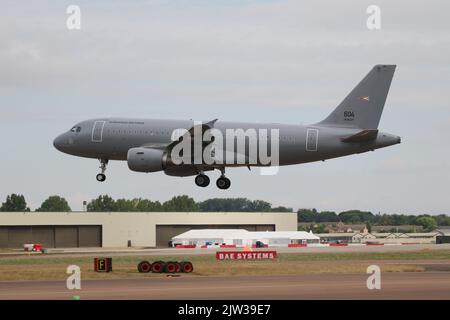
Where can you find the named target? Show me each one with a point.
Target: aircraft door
(97, 131)
(312, 139)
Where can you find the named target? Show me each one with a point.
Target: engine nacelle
(146, 159)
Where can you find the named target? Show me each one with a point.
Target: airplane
(147, 144)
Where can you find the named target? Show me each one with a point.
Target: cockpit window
(75, 129)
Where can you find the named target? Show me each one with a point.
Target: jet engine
(146, 159)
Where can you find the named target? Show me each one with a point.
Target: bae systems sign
(242, 255)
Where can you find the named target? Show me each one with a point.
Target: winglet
(211, 123)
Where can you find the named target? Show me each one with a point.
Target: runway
(416, 285)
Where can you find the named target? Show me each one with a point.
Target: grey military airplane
(146, 144)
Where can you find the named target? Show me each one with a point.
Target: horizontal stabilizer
(362, 136)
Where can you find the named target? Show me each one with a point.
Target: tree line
(184, 203)
(428, 222)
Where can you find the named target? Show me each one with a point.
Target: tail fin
(363, 106)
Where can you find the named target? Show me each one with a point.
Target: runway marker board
(102, 264)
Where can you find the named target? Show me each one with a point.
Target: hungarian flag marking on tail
(365, 98)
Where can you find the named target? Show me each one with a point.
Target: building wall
(429, 240)
(140, 227)
(391, 239)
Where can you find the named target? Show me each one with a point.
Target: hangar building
(122, 229)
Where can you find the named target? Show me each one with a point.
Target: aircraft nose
(58, 143)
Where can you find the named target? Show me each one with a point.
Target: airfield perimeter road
(404, 285)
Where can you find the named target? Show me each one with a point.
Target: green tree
(259, 206)
(55, 204)
(15, 202)
(356, 216)
(145, 205)
(238, 205)
(102, 203)
(442, 220)
(320, 228)
(427, 222)
(124, 205)
(369, 227)
(302, 228)
(223, 205)
(327, 216)
(306, 215)
(180, 204)
(282, 209)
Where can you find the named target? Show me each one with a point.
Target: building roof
(444, 231)
(422, 234)
(243, 234)
(377, 228)
(212, 233)
(338, 234)
(381, 234)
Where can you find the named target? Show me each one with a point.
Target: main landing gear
(223, 182)
(101, 176)
(202, 180)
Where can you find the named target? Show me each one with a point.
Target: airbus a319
(152, 145)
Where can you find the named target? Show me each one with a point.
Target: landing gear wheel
(223, 183)
(101, 177)
(202, 180)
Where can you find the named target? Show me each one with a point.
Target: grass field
(49, 267)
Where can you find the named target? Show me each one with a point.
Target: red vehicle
(33, 247)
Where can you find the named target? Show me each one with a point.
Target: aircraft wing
(220, 156)
(163, 146)
(204, 126)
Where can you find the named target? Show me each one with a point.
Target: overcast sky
(280, 61)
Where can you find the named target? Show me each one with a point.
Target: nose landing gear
(101, 176)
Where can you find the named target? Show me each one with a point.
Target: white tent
(241, 237)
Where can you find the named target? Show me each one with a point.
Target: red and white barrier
(185, 246)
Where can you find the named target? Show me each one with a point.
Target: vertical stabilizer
(363, 106)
